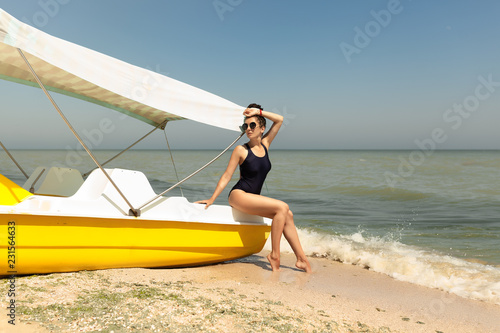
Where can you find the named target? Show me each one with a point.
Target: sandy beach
(240, 296)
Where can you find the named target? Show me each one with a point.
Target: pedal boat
(59, 221)
(92, 230)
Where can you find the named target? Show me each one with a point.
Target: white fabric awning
(80, 72)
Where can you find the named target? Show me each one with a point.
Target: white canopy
(79, 72)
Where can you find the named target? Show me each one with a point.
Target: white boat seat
(54, 181)
(133, 184)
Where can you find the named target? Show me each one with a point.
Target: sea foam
(404, 262)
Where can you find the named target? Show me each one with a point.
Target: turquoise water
(432, 219)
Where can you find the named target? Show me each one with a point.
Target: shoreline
(242, 296)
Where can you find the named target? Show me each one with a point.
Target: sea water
(429, 219)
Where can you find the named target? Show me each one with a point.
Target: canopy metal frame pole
(14, 160)
(191, 175)
(162, 125)
(172, 158)
(132, 211)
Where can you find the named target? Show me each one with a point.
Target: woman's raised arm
(274, 117)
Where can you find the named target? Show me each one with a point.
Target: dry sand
(240, 296)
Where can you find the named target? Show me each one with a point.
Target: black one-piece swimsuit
(253, 172)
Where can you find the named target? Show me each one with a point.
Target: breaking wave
(406, 263)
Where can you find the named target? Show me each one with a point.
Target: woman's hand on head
(250, 112)
(208, 202)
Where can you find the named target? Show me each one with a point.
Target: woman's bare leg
(292, 237)
(276, 231)
(282, 224)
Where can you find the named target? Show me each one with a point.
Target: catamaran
(61, 220)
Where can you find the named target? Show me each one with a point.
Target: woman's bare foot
(274, 261)
(304, 265)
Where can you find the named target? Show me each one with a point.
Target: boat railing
(13, 160)
(191, 175)
(161, 125)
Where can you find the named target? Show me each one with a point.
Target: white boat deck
(97, 197)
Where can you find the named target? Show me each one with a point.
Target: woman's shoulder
(240, 152)
(242, 148)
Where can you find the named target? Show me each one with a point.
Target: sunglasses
(252, 125)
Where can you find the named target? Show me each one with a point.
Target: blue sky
(345, 74)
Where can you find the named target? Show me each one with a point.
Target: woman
(245, 195)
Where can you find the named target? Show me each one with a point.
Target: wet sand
(241, 296)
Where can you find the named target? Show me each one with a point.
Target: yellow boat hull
(47, 244)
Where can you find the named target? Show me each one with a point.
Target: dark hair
(253, 105)
(260, 119)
